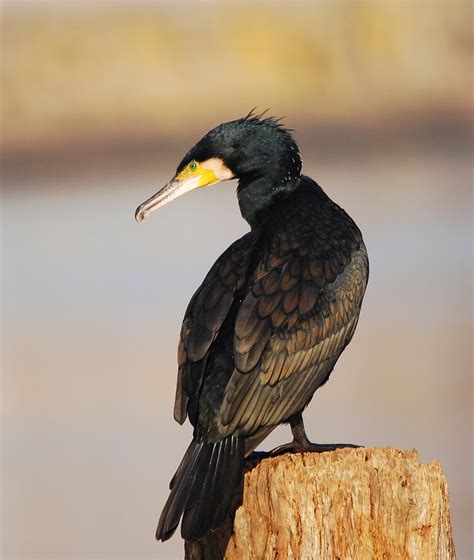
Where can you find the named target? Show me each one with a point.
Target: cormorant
(267, 325)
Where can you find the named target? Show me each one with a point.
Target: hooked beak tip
(140, 214)
(169, 192)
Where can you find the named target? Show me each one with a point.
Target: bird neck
(257, 196)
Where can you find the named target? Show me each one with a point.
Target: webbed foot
(301, 443)
(297, 447)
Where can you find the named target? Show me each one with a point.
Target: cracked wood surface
(348, 504)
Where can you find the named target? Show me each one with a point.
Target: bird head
(247, 149)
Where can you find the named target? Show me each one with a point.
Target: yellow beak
(200, 175)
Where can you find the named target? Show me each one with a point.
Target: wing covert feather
(278, 369)
(205, 315)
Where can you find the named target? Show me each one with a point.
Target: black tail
(202, 488)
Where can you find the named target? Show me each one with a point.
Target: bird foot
(298, 447)
(258, 455)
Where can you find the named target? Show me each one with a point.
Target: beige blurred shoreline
(86, 77)
(449, 132)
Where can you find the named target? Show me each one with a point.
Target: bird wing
(292, 326)
(205, 315)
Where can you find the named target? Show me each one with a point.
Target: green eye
(193, 166)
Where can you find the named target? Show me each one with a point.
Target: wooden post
(348, 504)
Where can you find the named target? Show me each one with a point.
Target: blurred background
(100, 101)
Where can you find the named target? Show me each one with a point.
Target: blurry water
(92, 304)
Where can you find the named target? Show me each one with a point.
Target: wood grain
(349, 504)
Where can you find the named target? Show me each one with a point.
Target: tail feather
(182, 465)
(202, 488)
(221, 473)
(181, 485)
(232, 475)
(195, 511)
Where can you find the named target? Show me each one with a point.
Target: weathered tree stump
(348, 504)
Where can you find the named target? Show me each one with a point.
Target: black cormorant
(267, 325)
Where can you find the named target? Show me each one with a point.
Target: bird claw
(298, 447)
